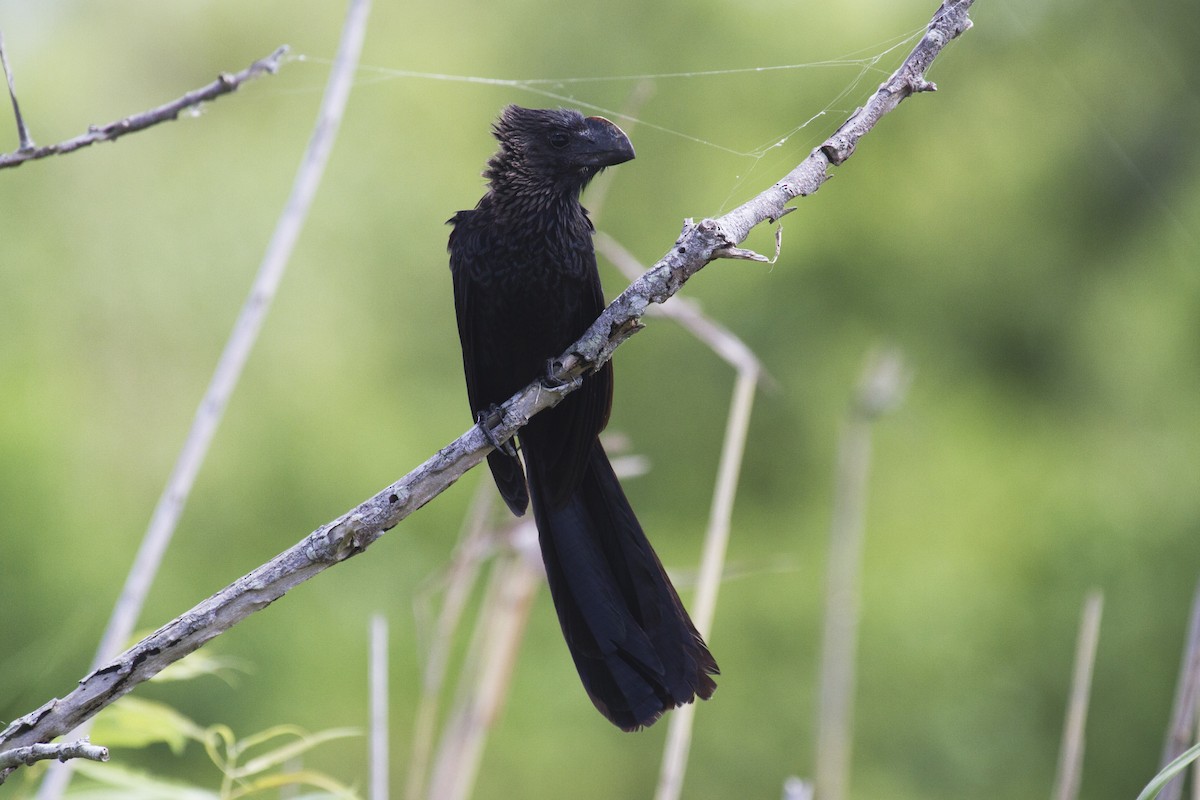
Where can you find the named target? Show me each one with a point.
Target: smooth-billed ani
(525, 288)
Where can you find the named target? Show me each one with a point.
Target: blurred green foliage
(263, 764)
(1027, 235)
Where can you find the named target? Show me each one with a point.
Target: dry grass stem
(488, 669)
(475, 545)
(881, 388)
(1184, 710)
(1070, 757)
(378, 690)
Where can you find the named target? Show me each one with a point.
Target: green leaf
(1168, 772)
(202, 663)
(118, 783)
(303, 744)
(330, 787)
(135, 722)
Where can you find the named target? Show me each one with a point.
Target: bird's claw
(489, 419)
(551, 381)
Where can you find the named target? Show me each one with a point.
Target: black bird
(525, 288)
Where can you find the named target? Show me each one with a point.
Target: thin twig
(354, 531)
(378, 681)
(26, 141)
(687, 313)
(64, 751)
(1181, 734)
(1070, 757)
(224, 84)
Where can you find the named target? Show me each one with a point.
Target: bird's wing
(506, 469)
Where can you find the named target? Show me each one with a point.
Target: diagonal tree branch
(224, 84)
(351, 533)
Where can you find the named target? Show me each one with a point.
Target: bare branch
(224, 84)
(26, 141)
(30, 754)
(687, 313)
(354, 531)
(702, 242)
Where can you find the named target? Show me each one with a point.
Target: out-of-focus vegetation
(1028, 236)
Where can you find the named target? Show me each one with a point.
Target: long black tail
(634, 645)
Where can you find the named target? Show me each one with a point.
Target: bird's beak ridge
(607, 144)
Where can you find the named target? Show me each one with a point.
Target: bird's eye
(559, 140)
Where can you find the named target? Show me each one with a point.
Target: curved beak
(606, 145)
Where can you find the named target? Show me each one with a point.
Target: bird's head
(558, 146)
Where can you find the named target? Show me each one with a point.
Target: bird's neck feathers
(513, 181)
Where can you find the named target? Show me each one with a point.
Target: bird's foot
(489, 419)
(551, 381)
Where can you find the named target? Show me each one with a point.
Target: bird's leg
(489, 419)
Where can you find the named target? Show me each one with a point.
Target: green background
(1027, 236)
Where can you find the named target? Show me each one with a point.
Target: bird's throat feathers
(513, 179)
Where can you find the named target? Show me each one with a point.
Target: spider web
(581, 92)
